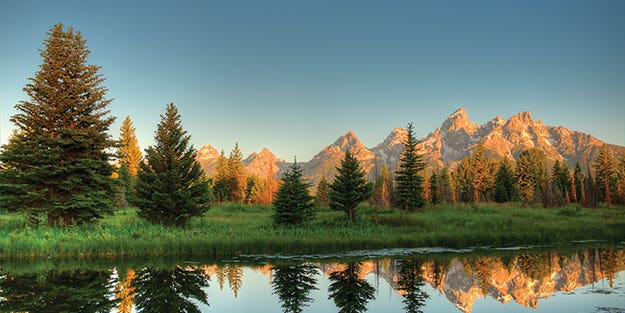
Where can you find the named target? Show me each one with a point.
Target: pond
(538, 280)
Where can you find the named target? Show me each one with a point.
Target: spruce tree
(435, 190)
(323, 190)
(561, 181)
(531, 171)
(505, 184)
(446, 189)
(350, 187)
(237, 180)
(604, 171)
(409, 178)
(129, 152)
(293, 284)
(171, 187)
(56, 164)
(578, 184)
(293, 203)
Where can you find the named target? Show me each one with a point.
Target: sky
(295, 75)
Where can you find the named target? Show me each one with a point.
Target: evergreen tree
(323, 191)
(350, 293)
(604, 171)
(531, 171)
(350, 187)
(293, 203)
(620, 180)
(409, 177)
(382, 189)
(129, 152)
(480, 176)
(56, 164)
(445, 186)
(237, 177)
(561, 182)
(125, 185)
(462, 181)
(171, 187)
(221, 180)
(435, 190)
(505, 183)
(590, 188)
(578, 184)
(293, 284)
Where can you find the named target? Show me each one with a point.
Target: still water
(575, 280)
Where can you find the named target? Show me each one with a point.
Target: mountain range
(446, 146)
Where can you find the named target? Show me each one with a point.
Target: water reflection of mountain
(525, 278)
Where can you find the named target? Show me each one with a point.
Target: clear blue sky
(294, 75)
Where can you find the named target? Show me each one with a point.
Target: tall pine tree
(129, 152)
(171, 187)
(350, 187)
(505, 184)
(409, 178)
(531, 168)
(604, 171)
(56, 164)
(293, 203)
(323, 190)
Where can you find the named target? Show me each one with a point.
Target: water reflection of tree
(161, 290)
(409, 285)
(231, 273)
(350, 293)
(125, 292)
(67, 291)
(292, 284)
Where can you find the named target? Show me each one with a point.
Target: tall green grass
(228, 230)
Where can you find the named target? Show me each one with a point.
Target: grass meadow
(230, 229)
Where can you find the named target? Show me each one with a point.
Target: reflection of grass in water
(227, 230)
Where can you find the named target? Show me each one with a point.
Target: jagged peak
(207, 151)
(458, 120)
(347, 139)
(524, 116)
(398, 135)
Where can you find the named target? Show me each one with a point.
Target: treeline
(530, 180)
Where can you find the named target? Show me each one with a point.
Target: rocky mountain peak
(522, 118)
(397, 136)
(207, 152)
(262, 164)
(459, 120)
(348, 140)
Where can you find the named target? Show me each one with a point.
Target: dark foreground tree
(171, 187)
(293, 284)
(409, 178)
(293, 203)
(350, 187)
(56, 164)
